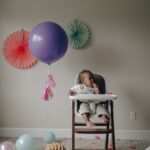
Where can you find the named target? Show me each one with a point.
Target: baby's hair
(91, 75)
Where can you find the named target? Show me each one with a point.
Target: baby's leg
(102, 113)
(103, 118)
(85, 112)
(88, 122)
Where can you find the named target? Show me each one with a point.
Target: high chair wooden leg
(112, 124)
(107, 138)
(73, 126)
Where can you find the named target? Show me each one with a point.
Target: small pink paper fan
(16, 50)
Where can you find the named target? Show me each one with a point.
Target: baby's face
(85, 79)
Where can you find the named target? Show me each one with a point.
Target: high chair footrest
(84, 124)
(92, 130)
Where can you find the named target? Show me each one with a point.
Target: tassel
(47, 92)
(51, 81)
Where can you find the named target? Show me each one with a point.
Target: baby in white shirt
(87, 86)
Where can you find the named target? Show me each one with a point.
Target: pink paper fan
(16, 50)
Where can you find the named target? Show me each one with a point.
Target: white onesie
(89, 107)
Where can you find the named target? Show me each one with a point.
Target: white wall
(119, 50)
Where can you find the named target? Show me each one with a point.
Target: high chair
(101, 128)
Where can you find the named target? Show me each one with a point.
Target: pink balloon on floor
(7, 145)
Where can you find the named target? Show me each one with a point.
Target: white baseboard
(66, 133)
(133, 134)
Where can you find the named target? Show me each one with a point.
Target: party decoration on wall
(78, 34)
(48, 42)
(55, 146)
(49, 137)
(25, 142)
(16, 50)
(47, 92)
(7, 145)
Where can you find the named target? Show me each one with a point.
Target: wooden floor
(88, 144)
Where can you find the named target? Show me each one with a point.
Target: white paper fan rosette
(78, 34)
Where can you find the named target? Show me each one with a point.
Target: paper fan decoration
(78, 34)
(16, 50)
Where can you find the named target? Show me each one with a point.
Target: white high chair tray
(88, 97)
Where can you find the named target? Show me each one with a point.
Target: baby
(87, 86)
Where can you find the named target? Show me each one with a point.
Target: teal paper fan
(78, 34)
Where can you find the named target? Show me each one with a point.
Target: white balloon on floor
(25, 142)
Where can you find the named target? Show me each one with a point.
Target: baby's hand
(94, 85)
(96, 88)
(71, 92)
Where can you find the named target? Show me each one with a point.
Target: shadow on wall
(140, 101)
(97, 58)
(105, 58)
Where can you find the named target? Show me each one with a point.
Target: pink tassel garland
(47, 92)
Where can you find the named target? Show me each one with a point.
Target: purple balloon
(48, 42)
